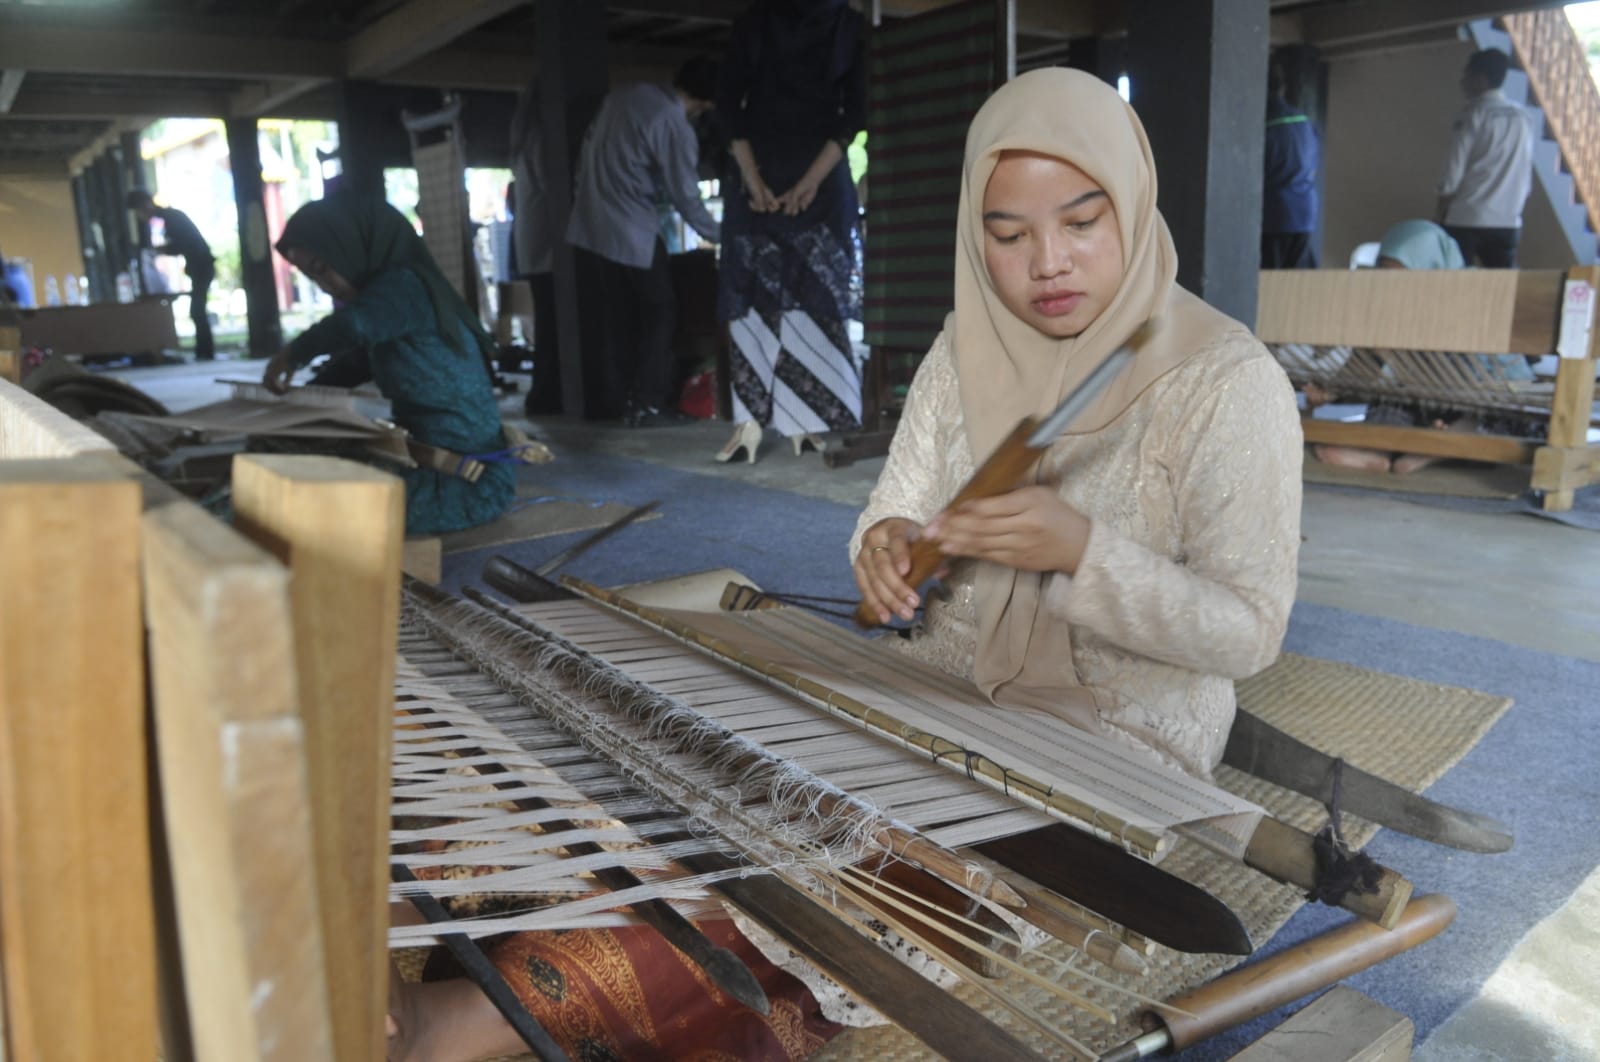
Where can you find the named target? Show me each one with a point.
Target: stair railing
(1548, 49)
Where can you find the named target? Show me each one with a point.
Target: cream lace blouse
(1189, 572)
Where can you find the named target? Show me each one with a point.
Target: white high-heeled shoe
(746, 440)
(806, 441)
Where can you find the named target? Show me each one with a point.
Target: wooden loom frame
(1483, 311)
(195, 907)
(267, 674)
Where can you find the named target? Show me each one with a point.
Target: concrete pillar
(1199, 82)
(255, 249)
(573, 79)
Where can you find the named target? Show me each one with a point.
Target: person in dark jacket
(1289, 187)
(184, 239)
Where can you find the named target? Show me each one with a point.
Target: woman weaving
(1151, 559)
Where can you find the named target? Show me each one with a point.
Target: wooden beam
(1559, 469)
(77, 918)
(10, 84)
(338, 526)
(1496, 449)
(25, 44)
(1494, 311)
(1361, 19)
(233, 775)
(416, 29)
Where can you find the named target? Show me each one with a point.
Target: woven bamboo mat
(1407, 731)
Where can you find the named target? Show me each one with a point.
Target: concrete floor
(1518, 579)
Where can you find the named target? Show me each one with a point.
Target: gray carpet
(1585, 512)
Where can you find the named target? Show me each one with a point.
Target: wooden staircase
(1554, 83)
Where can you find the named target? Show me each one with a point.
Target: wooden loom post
(1566, 462)
(77, 922)
(232, 753)
(338, 526)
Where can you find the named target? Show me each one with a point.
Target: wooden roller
(1254, 990)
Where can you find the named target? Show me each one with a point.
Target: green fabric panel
(915, 64)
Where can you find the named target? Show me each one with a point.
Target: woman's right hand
(279, 373)
(882, 565)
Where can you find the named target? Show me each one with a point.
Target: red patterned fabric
(626, 995)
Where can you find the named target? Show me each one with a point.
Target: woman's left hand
(1030, 528)
(798, 198)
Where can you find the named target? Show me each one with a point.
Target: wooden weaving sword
(1259, 748)
(1011, 459)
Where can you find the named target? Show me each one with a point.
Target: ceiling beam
(275, 99)
(10, 83)
(723, 11)
(1363, 19)
(113, 133)
(1038, 18)
(417, 29)
(1427, 37)
(33, 168)
(25, 45)
(112, 105)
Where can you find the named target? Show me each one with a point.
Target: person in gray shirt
(640, 145)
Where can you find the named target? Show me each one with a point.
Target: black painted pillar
(1199, 82)
(572, 84)
(100, 287)
(134, 174)
(1104, 57)
(366, 113)
(255, 250)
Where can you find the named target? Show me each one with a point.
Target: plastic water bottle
(74, 291)
(52, 291)
(124, 288)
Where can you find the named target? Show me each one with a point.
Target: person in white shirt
(1488, 172)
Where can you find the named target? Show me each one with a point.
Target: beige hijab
(1009, 370)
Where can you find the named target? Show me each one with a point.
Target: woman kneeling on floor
(426, 350)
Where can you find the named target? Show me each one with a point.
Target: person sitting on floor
(1419, 244)
(425, 348)
(1150, 559)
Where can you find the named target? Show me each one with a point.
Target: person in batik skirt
(792, 97)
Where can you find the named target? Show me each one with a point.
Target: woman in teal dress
(426, 349)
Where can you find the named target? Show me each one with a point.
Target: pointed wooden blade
(1123, 888)
(1259, 748)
